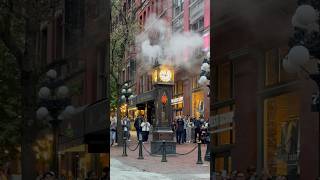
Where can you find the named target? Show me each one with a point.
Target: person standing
(189, 127)
(113, 128)
(185, 125)
(180, 127)
(137, 125)
(197, 125)
(125, 126)
(145, 130)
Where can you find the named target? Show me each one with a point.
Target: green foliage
(10, 106)
(122, 38)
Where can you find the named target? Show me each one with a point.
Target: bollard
(124, 152)
(140, 147)
(199, 153)
(164, 153)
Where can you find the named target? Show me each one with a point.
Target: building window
(178, 88)
(224, 79)
(195, 83)
(223, 126)
(274, 72)
(281, 134)
(132, 70)
(178, 6)
(198, 25)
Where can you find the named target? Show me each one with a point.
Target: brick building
(73, 41)
(259, 110)
(188, 97)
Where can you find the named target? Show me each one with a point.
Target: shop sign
(222, 119)
(177, 100)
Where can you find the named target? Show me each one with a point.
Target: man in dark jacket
(180, 127)
(197, 124)
(137, 125)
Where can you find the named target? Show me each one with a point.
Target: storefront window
(197, 103)
(223, 126)
(274, 72)
(281, 135)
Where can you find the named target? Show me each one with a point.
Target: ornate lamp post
(305, 45)
(54, 106)
(204, 80)
(126, 95)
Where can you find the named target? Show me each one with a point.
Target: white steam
(157, 43)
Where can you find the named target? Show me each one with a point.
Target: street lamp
(305, 45)
(54, 104)
(126, 95)
(204, 80)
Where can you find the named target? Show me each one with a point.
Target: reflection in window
(274, 72)
(281, 135)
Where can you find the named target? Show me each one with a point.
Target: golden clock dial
(165, 75)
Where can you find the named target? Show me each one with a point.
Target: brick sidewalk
(177, 164)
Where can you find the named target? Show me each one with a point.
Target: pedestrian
(125, 126)
(180, 127)
(185, 121)
(204, 131)
(145, 130)
(188, 131)
(113, 127)
(197, 130)
(137, 125)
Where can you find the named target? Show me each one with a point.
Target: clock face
(165, 75)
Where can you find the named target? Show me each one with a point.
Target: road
(121, 171)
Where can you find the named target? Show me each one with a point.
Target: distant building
(189, 97)
(74, 43)
(260, 115)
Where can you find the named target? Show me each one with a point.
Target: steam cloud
(157, 43)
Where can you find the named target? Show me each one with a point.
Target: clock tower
(163, 80)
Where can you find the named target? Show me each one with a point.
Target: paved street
(178, 167)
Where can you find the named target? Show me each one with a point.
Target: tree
(122, 37)
(10, 105)
(19, 27)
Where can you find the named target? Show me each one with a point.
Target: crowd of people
(186, 129)
(184, 125)
(91, 175)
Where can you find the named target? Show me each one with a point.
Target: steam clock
(163, 80)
